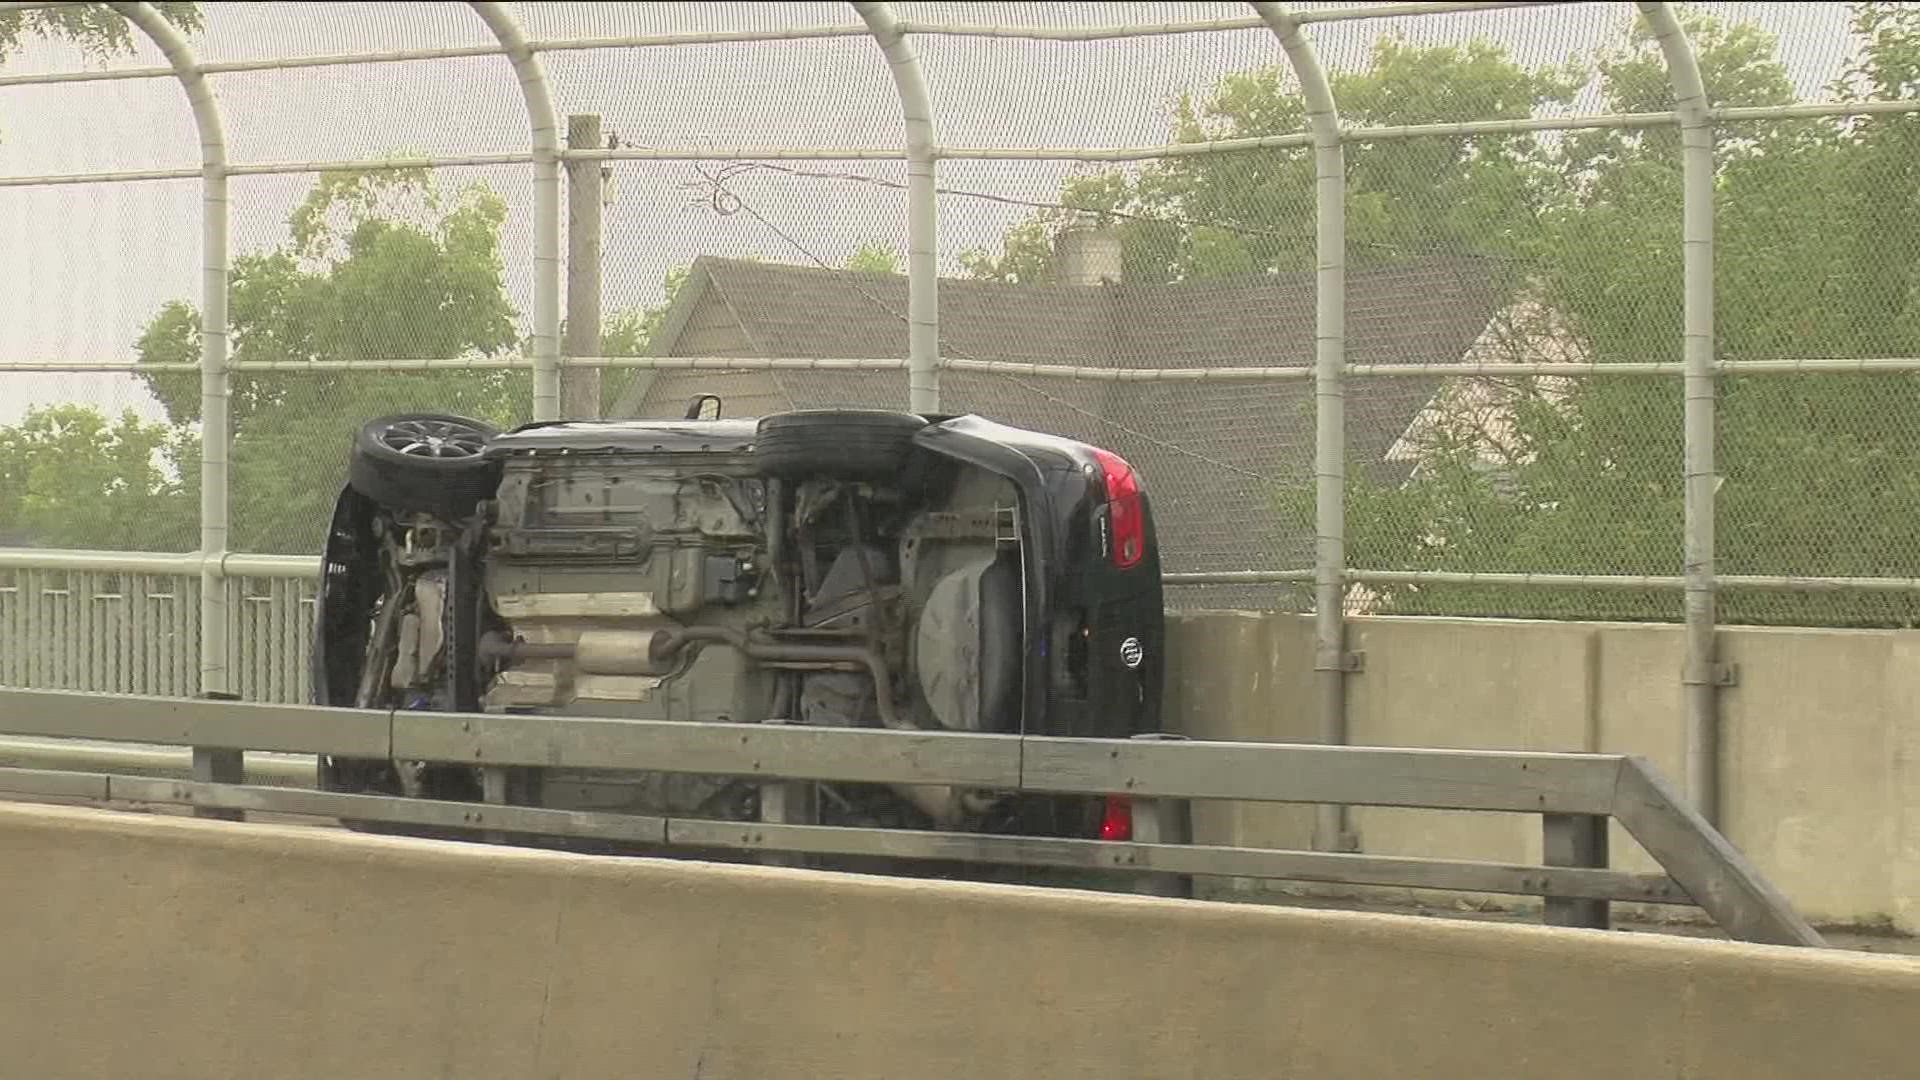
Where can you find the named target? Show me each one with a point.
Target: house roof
(1212, 453)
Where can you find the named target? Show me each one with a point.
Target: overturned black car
(848, 568)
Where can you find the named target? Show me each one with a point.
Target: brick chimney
(1086, 252)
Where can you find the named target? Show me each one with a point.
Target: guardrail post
(219, 766)
(1714, 874)
(786, 802)
(1163, 821)
(1576, 840)
(506, 785)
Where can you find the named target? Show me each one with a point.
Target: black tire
(425, 462)
(855, 443)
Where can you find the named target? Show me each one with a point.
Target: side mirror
(697, 409)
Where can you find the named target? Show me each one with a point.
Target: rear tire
(425, 462)
(855, 443)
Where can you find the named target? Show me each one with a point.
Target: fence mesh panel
(1818, 245)
(1555, 246)
(84, 458)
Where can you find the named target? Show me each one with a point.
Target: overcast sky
(82, 268)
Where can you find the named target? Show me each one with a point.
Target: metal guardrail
(132, 759)
(1576, 794)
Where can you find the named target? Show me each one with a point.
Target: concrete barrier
(1820, 738)
(165, 948)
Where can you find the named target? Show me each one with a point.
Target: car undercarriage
(846, 568)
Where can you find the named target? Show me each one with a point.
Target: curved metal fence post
(541, 119)
(1702, 670)
(1330, 658)
(923, 225)
(215, 429)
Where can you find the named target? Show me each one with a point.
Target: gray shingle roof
(1212, 454)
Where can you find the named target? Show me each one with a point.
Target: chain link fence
(1130, 224)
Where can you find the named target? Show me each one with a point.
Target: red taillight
(1117, 822)
(1124, 513)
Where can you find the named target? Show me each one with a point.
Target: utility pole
(580, 387)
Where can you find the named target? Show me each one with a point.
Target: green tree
(1211, 215)
(1818, 239)
(1821, 475)
(71, 477)
(1587, 477)
(378, 266)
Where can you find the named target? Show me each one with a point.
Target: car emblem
(1131, 653)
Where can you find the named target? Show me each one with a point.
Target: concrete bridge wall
(167, 947)
(1820, 738)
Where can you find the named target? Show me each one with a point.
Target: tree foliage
(1818, 240)
(96, 28)
(1214, 215)
(874, 259)
(71, 477)
(377, 266)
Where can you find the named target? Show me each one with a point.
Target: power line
(728, 202)
(732, 170)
